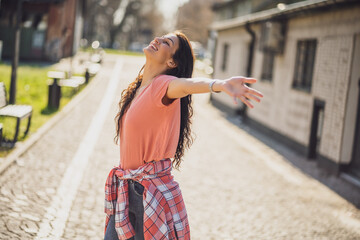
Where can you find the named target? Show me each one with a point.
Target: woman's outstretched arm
(235, 87)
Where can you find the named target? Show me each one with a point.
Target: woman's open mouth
(153, 47)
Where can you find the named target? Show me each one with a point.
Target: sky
(168, 8)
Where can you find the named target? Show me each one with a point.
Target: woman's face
(161, 50)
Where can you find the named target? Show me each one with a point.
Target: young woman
(142, 201)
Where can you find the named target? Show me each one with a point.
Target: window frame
(268, 64)
(225, 56)
(304, 64)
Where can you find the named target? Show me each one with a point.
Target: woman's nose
(157, 40)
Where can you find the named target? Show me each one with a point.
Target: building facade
(306, 57)
(50, 29)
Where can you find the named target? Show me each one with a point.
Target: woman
(153, 125)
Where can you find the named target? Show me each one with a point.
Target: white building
(306, 57)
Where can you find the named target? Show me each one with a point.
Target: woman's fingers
(255, 92)
(247, 102)
(239, 89)
(249, 80)
(250, 96)
(243, 99)
(248, 89)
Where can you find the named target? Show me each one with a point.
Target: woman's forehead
(172, 36)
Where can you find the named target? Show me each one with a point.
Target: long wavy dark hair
(184, 58)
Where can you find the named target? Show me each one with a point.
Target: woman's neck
(151, 71)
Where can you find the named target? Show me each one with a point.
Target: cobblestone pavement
(234, 186)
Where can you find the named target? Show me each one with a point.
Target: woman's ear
(171, 63)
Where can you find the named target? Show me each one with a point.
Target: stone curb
(12, 157)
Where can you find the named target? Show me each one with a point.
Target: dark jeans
(136, 213)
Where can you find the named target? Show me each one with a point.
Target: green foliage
(32, 89)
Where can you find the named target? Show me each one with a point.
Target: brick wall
(61, 16)
(331, 84)
(289, 111)
(238, 41)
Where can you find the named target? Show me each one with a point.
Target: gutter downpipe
(214, 37)
(242, 112)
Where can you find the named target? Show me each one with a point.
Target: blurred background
(305, 55)
(58, 28)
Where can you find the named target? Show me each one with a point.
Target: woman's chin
(148, 52)
(147, 49)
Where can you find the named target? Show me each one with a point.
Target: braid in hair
(184, 57)
(127, 95)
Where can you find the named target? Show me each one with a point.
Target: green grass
(121, 52)
(32, 89)
(115, 51)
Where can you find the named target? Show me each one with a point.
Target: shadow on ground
(345, 189)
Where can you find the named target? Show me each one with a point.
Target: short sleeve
(158, 89)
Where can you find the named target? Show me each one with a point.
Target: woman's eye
(166, 43)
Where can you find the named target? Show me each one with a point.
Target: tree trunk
(113, 34)
(14, 65)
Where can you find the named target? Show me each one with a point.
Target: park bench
(74, 82)
(58, 80)
(94, 68)
(13, 110)
(96, 58)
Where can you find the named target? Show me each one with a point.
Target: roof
(278, 13)
(14, 3)
(219, 5)
(43, 1)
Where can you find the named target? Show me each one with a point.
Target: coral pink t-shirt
(150, 130)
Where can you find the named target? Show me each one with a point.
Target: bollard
(87, 75)
(54, 95)
(1, 133)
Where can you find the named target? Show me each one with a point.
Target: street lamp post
(15, 59)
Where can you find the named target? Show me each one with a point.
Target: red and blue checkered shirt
(164, 208)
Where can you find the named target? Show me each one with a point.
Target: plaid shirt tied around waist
(164, 208)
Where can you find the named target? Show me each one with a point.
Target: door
(316, 128)
(355, 162)
(354, 103)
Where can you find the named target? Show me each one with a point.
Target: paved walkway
(234, 186)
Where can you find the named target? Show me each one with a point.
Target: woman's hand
(236, 88)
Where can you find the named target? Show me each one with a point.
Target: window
(304, 64)
(225, 56)
(268, 65)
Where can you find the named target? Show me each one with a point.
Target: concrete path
(234, 186)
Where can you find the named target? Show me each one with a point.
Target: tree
(194, 19)
(126, 8)
(129, 20)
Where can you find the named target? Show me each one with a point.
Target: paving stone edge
(21, 149)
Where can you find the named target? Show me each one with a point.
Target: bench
(74, 82)
(58, 80)
(92, 68)
(17, 111)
